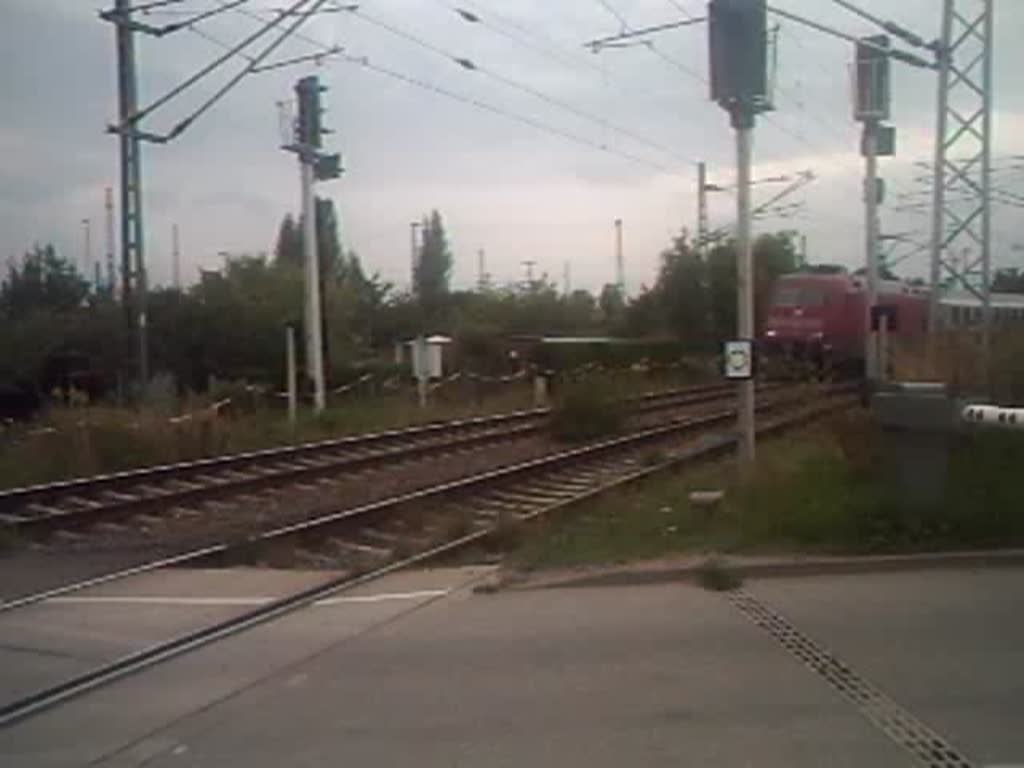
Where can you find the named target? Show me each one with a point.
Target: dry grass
(956, 358)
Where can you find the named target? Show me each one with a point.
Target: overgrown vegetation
(60, 332)
(824, 491)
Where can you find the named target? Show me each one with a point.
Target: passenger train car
(819, 316)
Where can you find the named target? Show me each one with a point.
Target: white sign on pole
(739, 359)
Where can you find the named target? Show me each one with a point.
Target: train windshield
(798, 296)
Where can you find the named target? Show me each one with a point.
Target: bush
(585, 412)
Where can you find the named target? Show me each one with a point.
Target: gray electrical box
(918, 421)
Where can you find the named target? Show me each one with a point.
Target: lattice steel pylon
(961, 223)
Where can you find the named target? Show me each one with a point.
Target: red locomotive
(819, 316)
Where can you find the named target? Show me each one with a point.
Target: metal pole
(702, 210)
(111, 278)
(289, 345)
(87, 246)
(314, 337)
(744, 282)
(939, 172)
(133, 264)
(175, 257)
(414, 257)
(871, 244)
(620, 269)
(986, 191)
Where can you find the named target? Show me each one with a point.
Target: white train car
(962, 309)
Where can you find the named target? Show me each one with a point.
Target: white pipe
(994, 416)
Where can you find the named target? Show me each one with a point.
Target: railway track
(363, 543)
(78, 504)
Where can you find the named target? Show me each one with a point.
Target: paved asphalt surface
(418, 670)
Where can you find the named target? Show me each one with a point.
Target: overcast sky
(518, 191)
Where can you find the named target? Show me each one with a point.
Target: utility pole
(313, 165)
(108, 204)
(620, 268)
(87, 251)
(963, 157)
(175, 258)
(414, 254)
(528, 265)
(702, 210)
(871, 244)
(871, 107)
(738, 43)
(567, 278)
(482, 278)
(133, 265)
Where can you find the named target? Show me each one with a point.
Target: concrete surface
(947, 645)
(419, 670)
(43, 644)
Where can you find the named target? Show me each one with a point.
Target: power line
(488, 107)
(365, 62)
(889, 26)
(470, 65)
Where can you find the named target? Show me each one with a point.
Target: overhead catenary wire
(267, 27)
(889, 26)
(470, 65)
(539, 125)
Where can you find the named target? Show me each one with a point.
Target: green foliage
(820, 491)
(585, 412)
(44, 281)
(1008, 280)
(434, 267)
(695, 300)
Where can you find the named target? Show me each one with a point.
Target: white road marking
(423, 593)
(229, 601)
(155, 600)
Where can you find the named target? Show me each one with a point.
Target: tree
(289, 242)
(289, 247)
(434, 268)
(1008, 280)
(43, 281)
(612, 302)
(681, 290)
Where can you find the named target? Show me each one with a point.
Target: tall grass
(825, 490)
(956, 358)
(69, 442)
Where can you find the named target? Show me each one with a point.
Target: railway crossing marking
(229, 601)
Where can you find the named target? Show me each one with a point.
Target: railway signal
(871, 107)
(738, 45)
(306, 142)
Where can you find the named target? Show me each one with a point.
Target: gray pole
(87, 247)
(702, 210)
(744, 281)
(133, 265)
(289, 346)
(871, 243)
(175, 257)
(111, 278)
(314, 337)
(620, 267)
(939, 170)
(414, 255)
(986, 192)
